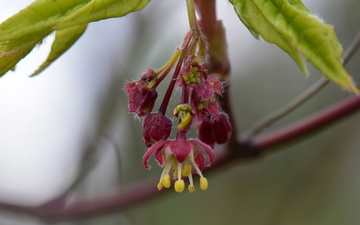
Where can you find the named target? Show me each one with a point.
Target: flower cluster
(198, 106)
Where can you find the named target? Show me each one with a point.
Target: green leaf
(21, 32)
(64, 39)
(292, 27)
(101, 9)
(8, 62)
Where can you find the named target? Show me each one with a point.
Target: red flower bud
(205, 132)
(221, 128)
(142, 94)
(156, 127)
(215, 129)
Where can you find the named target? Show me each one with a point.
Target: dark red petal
(151, 151)
(129, 86)
(148, 144)
(148, 76)
(142, 100)
(200, 160)
(181, 149)
(203, 91)
(217, 85)
(209, 151)
(197, 113)
(159, 156)
(213, 108)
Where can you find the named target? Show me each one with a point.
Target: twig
(124, 198)
(207, 11)
(211, 28)
(63, 209)
(351, 50)
(286, 109)
(307, 125)
(300, 99)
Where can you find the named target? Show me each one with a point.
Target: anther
(186, 170)
(179, 186)
(160, 186)
(166, 181)
(192, 189)
(203, 183)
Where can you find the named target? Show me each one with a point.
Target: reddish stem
(307, 125)
(61, 209)
(164, 74)
(209, 23)
(207, 10)
(225, 101)
(185, 43)
(165, 102)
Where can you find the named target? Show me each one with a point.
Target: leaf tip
(348, 84)
(354, 89)
(39, 70)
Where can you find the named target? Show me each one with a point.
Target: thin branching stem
(65, 209)
(171, 86)
(207, 11)
(306, 126)
(300, 99)
(286, 109)
(61, 209)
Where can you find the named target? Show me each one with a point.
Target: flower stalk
(198, 105)
(191, 14)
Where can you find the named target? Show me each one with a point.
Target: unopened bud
(221, 128)
(156, 127)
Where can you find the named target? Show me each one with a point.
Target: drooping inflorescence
(198, 106)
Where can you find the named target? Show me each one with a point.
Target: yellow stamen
(179, 186)
(169, 161)
(175, 177)
(191, 186)
(192, 189)
(147, 110)
(179, 170)
(160, 186)
(193, 71)
(184, 112)
(193, 76)
(203, 180)
(203, 183)
(166, 181)
(186, 169)
(185, 120)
